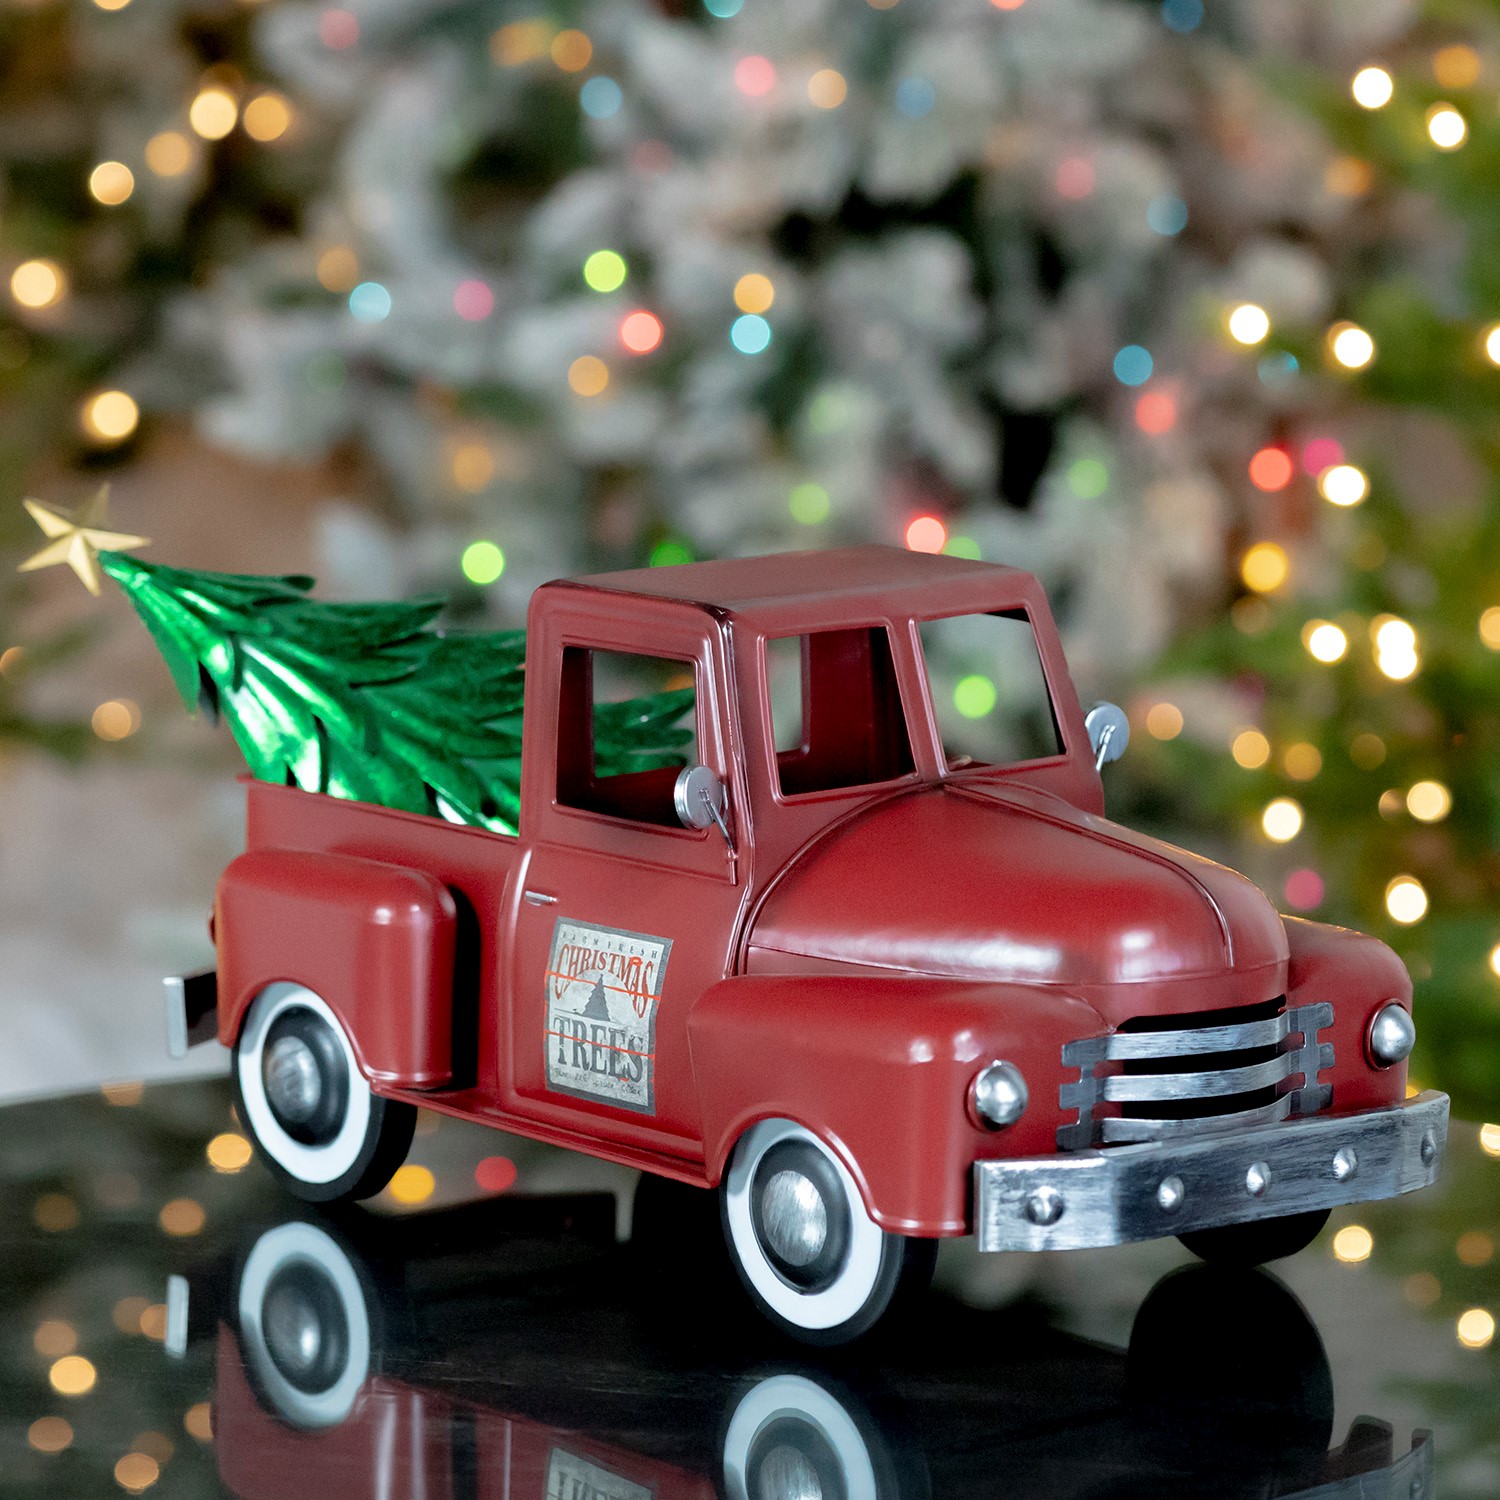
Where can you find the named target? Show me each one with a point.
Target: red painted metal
(850, 962)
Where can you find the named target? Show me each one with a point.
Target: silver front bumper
(1081, 1200)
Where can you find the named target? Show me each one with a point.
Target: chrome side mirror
(1109, 732)
(700, 800)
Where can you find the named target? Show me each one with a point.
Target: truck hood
(1007, 884)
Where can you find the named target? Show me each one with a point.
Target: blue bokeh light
(1278, 369)
(1167, 214)
(1133, 365)
(723, 9)
(915, 98)
(750, 334)
(370, 302)
(601, 97)
(1182, 15)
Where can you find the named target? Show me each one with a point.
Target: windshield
(988, 689)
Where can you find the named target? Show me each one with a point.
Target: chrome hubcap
(785, 1474)
(794, 1218)
(294, 1083)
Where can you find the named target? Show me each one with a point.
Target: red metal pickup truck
(872, 963)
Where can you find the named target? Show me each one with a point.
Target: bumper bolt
(1429, 1148)
(1345, 1163)
(1258, 1179)
(1045, 1206)
(1170, 1194)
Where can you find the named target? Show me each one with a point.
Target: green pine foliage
(368, 701)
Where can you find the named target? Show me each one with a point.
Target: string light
(1476, 1328)
(1282, 820)
(1489, 1139)
(1395, 647)
(1446, 128)
(338, 269)
(1489, 627)
(640, 332)
(1074, 178)
(1456, 67)
(169, 153)
(1164, 721)
(72, 1375)
(1353, 1244)
(965, 547)
(605, 271)
(198, 1422)
(38, 284)
(1166, 215)
(827, 88)
(750, 334)
(1429, 801)
(1372, 88)
(754, 293)
(1250, 749)
(670, 553)
(1302, 761)
(268, 117)
(1249, 324)
(111, 183)
(754, 76)
(1475, 1248)
(1343, 485)
(1324, 641)
(110, 416)
(1265, 567)
(1492, 343)
(116, 719)
(111, 4)
(228, 1153)
(137, 1472)
(1406, 900)
(482, 563)
(182, 1218)
(926, 534)
(588, 376)
(54, 1338)
(1271, 469)
(370, 302)
(49, 1435)
(213, 113)
(1350, 345)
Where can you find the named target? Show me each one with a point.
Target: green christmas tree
(367, 701)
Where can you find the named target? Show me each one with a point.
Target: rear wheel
(306, 1104)
(813, 1260)
(1256, 1243)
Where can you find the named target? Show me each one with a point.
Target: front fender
(879, 1069)
(374, 940)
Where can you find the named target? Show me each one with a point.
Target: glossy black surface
(517, 1347)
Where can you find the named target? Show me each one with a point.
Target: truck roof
(903, 582)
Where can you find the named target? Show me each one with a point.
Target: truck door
(625, 916)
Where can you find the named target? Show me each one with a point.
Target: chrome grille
(1142, 1082)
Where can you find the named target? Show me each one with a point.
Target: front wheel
(813, 1260)
(307, 1106)
(1256, 1243)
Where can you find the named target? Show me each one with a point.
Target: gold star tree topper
(77, 538)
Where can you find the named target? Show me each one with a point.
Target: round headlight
(998, 1095)
(1392, 1035)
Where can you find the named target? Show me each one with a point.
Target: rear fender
(374, 940)
(879, 1069)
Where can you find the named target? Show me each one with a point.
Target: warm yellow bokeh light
(137, 1472)
(1456, 66)
(1492, 343)
(1476, 1328)
(213, 113)
(1324, 640)
(1489, 1139)
(268, 117)
(754, 293)
(412, 1184)
(588, 375)
(54, 1338)
(49, 1434)
(72, 1375)
(111, 183)
(473, 467)
(1489, 627)
(110, 416)
(116, 719)
(1372, 87)
(1446, 128)
(1343, 485)
(229, 1152)
(827, 88)
(1164, 721)
(1429, 801)
(36, 284)
(1249, 324)
(338, 269)
(111, 4)
(1302, 761)
(1350, 345)
(1406, 900)
(170, 153)
(1250, 749)
(1264, 567)
(1282, 820)
(1395, 648)
(571, 51)
(182, 1217)
(199, 1422)
(1352, 1244)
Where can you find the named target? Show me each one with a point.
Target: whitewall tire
(307, 1105)
(806, 1250)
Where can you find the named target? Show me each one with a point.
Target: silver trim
(1306, 1056)
(538, 898)
(1411, 1477)
(192, 1009)
(1111, 1197)
(176, 1340)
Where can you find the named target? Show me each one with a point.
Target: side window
(989, 690)
(627, 724)
(836, 710)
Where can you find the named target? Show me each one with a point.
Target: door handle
(539, 898)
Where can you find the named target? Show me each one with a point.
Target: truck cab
(861, 953)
